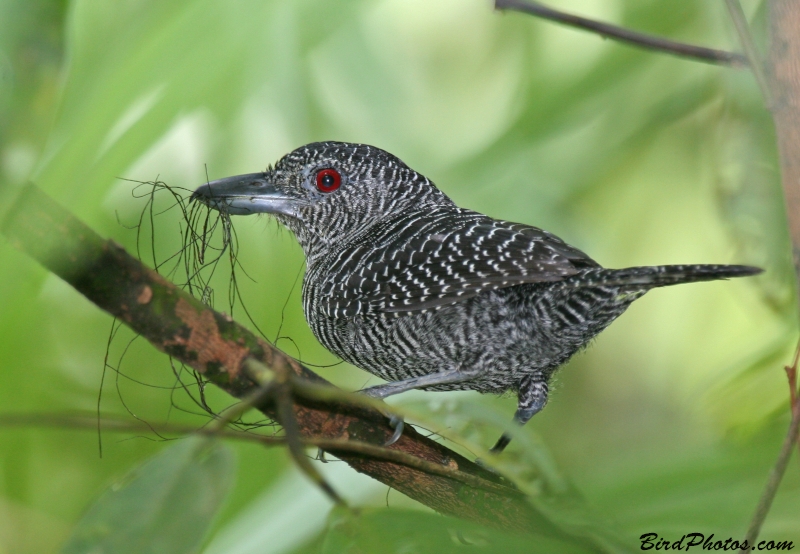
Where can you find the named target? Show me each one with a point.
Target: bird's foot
(397, 423)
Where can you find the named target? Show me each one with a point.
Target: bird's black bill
(246, 194)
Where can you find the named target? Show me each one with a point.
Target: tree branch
(785, 86)
(634, 38)
(783, 91)
(216, 346)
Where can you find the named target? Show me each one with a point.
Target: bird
(403, 283)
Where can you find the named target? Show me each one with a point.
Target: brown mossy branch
(219, 348)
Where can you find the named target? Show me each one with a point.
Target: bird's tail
(664, 275)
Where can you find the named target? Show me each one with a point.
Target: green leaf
(164, 505)
(385, 531)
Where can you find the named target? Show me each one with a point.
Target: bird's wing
(437, 261)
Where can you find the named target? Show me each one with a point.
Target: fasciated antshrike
(403, 283)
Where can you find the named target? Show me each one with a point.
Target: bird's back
(449, 289)
(428, 259)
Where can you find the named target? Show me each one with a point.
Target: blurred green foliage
(163, 506)
(668, 424)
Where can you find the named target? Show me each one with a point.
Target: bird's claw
(395, 422)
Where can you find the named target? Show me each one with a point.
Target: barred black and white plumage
(403, 283)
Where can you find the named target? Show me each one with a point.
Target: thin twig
(634, 38)
(365, 449)
(746, 38)
(794, 392)
(256, 398)
(277, 389)
(285, 412)
(776, 475)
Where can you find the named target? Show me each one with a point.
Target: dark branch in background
(223, 351)
(634, 38)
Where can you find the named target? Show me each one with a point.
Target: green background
(669, 423)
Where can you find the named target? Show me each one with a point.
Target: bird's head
(327, 192)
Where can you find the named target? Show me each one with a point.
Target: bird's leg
(442, 378)
(532, 398)
(388, 389)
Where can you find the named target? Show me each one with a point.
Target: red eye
(328, 180)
